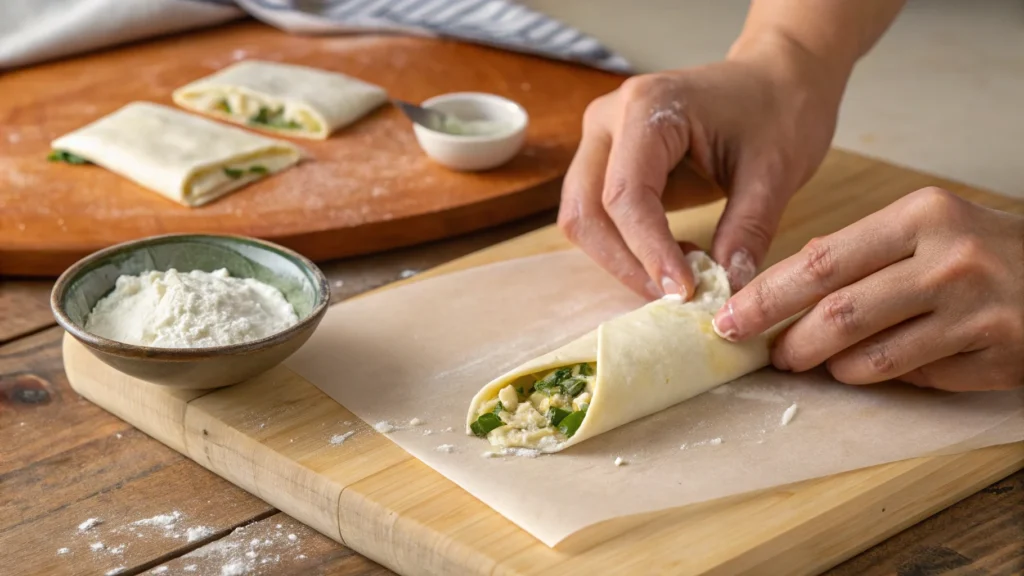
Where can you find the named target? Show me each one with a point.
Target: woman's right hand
(758, 123)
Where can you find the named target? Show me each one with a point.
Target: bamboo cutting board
(368, 188)
(269, 436)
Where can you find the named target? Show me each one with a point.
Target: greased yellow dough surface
(188, 159)
(283, 98)
(646, 360)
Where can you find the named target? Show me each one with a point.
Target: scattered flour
(113, 571)
(166, 521)
(788, 415)
(446, 448)
(448, 429)
(61, 551)
(428, 432)
(233, 569)
(619, 461)
(384, 427)
(198, 533)
(711, 442)
(89, 524)
(521, 452)
(96, 546)
(408, 273)
(338, 283)
(672, 115)
(190, 568)
(340, 438)
(415, 422)
(292, 537)
(159, 569)
(346, 423)
(117, 549)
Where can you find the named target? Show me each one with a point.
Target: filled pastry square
(283, 98)
(184, 157)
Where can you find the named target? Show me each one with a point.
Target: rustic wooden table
(64, 460)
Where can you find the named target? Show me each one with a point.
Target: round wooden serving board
(367, 188)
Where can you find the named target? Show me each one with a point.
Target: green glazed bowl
(93, 277)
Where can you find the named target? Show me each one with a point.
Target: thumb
(748, 223)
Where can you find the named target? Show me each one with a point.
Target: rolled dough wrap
(188, 159)
(647, 360)
(283, 98)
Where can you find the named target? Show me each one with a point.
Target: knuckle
(594, 113)
(819, 262)
(616, 194)
(839, 313)
(644, 85)
(766, 301)
(965, 257)
(880, 359)
(571, 221)
(935, 202)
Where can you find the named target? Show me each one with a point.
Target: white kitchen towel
(33, 31)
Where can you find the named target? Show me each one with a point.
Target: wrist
(790, 62)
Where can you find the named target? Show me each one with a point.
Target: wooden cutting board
(270, 437)
(368, 188)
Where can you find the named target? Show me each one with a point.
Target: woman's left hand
(929, 290)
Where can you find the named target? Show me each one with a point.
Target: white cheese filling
(190, 310)
(218, 180)
(531, 409)
(244, 106)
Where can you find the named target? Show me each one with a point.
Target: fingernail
(672, 288)
(653, 289)
(741, 269)
(724, 324)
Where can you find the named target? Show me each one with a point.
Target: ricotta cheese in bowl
(194, 309)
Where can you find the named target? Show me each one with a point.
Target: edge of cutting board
(268, 436)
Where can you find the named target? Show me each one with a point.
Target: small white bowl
(474, 152)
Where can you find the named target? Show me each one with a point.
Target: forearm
(825, 36)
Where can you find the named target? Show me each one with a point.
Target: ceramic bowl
(474, 152)
(92, 278)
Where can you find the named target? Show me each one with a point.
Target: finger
(642, 154)
(982, 370)
(751, 217)
(897, 351)
(820, 268)
(852, 314)
(582, 218)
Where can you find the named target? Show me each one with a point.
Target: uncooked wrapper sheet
(423, 350)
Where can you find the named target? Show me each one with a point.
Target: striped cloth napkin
(40, 30)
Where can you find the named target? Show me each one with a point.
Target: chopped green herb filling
(485, 423)
(233, 173)
(273, 119)
(498, 408)
(571, 423)
(257, 169)
(556, 415)
(224, 106)
(66, 157)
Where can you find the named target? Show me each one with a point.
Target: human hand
(929, 290)
(758, 123)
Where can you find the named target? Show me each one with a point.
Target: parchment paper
(423, 350)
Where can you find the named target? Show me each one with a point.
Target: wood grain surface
(269, 435)
(367, 188)
(981, 535)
